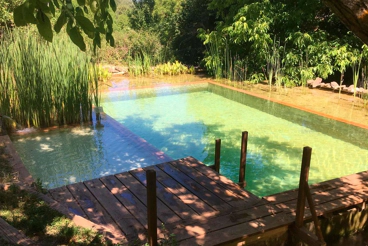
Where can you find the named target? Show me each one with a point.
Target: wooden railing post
(243, 159)
(303, 181)
(151, 207)
(217, 155)
(304, 193)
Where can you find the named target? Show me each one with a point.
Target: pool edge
(291, 105)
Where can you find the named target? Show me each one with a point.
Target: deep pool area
(184, 121)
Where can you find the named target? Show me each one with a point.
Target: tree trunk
(354, 15)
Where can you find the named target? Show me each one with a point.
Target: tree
(354, 14)
(75, 15)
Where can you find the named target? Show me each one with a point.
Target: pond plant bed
(200, 206)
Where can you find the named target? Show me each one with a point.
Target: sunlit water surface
(185, 121)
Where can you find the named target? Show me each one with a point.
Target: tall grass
(221, 64)
(43, 84)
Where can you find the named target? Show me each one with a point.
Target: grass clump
(38, 221)
(44, 84)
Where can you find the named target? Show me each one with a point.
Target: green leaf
(56, 2)
(28, 13)
(85, 9)
(79, 11)
(44, 26)
(60, 22)
(113, 5)
(86, 25)
(52, 8)
(81, 2)
(18, 16)
(77, 38)
(45, 1)
(96, 41)
(45, 9)
(110, 39)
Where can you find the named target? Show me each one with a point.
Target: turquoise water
(62, 157)
(188, 124)
(185, 121)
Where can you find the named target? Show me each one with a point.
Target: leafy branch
(73, 16)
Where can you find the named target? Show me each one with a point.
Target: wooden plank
(220, 179)
(238, 232)
(164, 213)
(210, 184)
(171, 200)
(197, 205)
(121, 216)
(290, 195)
(63, 195)
(92, 208)
(197, 189)
(132, 203)
(12, 235)
(188, 228)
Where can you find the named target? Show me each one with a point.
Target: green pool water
(185, 121)
(188, 124)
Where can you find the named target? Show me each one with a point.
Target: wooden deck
(198, 205)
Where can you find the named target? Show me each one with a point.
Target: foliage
(43, 84)
(169, 68)
(36, 219)
(286, 41)
(73, 15)
(6, 9)
(187, 46)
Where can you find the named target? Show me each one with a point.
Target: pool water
(185, 121)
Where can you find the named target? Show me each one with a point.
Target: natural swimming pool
(183, 121)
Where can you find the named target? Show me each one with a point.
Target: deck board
(199, 205)
(120, 215)
(128, 199)
(168, 198)
(197, 189)
(164, 213)
(196, 204)
(62, 194)
(92, 208)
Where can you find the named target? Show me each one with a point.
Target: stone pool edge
(23, 175)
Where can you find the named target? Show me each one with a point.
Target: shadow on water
(198, 140)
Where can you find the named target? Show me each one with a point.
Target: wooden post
(314, 215)
(304, 173)
(151, 207)
(243, 159)
(217, 155)
(304, 193)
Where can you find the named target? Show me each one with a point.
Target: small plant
(39, 186)
(169, 68)
(169, 238)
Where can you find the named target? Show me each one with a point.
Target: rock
(335, 85)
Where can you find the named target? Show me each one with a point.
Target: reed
(44, 84)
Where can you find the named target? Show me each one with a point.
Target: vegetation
(302, 40)
(35, 218)
(73, 15)
(44, 84)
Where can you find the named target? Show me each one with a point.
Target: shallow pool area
(180, 121)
